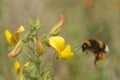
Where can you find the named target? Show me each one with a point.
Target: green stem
(27, 54)
(29, 46)
(48, 67)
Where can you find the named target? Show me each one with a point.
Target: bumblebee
(97, 47)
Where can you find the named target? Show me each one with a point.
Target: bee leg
(95, 61)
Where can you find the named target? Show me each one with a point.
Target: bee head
(84, 47)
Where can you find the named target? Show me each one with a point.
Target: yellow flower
(66, 53)
(57, 43)
(18, 68)
(12, 39)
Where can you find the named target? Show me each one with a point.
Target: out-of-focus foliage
(84, 19)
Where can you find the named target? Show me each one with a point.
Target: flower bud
(39, 48)
(58, 26)
(15, 51)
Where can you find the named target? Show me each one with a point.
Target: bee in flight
(97, 47)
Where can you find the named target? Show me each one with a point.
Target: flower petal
(66, 53)
(26, 64)
(8, 35)
(57, 42)
(17, 67)
(21, 29)
(14, 38)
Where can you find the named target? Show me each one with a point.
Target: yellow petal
(14, 38)
(57, 42)
(8, 35)
(66, 53)
(26, 64)
(21, 29)
(17, 67)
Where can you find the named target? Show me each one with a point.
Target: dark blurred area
(84, 19)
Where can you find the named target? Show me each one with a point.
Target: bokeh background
(84, 19)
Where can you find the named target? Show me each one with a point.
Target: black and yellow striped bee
(97, 47)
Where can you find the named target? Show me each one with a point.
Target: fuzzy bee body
(97, 47)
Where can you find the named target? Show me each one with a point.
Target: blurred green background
(84, 19)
